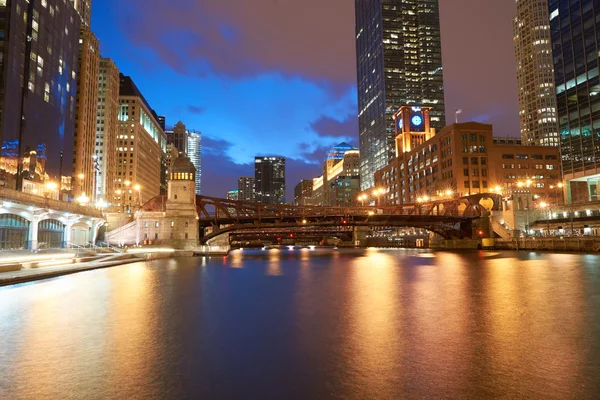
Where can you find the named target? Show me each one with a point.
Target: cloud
(331, 127)
(195, 110)
(244, 38)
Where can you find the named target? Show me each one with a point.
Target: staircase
(501, 230)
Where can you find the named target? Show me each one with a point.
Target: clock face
(416, 120)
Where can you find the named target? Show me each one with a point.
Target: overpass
(28, 221)
(453, 218)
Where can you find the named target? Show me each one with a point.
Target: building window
(466, 184)
(508, 156)
(466, 160)
(522, 157)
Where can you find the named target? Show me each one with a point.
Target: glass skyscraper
(399, 62)
(269, 180)
(575, 30)
(194, 149)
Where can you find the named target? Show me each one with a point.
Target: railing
(43, 202)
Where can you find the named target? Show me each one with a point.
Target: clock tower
(413, 127)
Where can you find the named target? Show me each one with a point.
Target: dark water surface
(370, 324)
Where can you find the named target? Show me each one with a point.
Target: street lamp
(449, 193)
(138, 189)
(83, 199)
(362, 199)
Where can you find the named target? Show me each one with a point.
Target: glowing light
(81, 176)
(543, 204)
(137, 187)
(449, 193)
(83, 199)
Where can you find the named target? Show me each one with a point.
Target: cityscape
(404, 189)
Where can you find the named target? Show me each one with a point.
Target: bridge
(28, 221)
(450, 218)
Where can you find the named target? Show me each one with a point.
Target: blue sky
(277, 77)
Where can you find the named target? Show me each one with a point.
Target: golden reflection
(536, 319)
(375, 308)
(236, 259)
(274, 264)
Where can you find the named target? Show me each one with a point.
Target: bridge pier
(359, 236)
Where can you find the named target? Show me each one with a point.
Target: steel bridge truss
(448, 217)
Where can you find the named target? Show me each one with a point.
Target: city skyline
(197, 82)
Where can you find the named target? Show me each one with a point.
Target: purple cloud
(236, 38)
(330, 127)
(196, 110)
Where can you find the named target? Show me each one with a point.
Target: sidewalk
(69, 267)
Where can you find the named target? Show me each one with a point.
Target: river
(302, 324)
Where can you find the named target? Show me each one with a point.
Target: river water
(364, 324)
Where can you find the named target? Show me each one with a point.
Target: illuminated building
(194, 149)
(269, 180)
(303, 193)
(34, 164)
(85, 116)
(171, 154)
(340, 169)
(169, 220)
(233, 195)
(535, 73)
(575, 29)
(462, 159)
(141, 146)
(399, 62)
(84, 9)
(246, 188)
(49, 64)
(107, 126)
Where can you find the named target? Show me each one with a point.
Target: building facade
(44, 108)
(535, 73)
(575, 29)
(194, 149)
(341, 167)
(85, 117)
(465, 159)
(269, 180)
(399, 62)
(168, 219)
(233, 195)
(107, 126)
(246, 188)
(84, 9)
(303, 193)
(179, 137)
(141, 146)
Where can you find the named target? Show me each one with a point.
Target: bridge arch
(51, 233)
(14, 231)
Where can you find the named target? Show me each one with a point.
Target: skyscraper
(84, 9)
(246, 188)
(141, 146)
(107, 126)
(43, 109)
(269, 180)
(575, 27)
(84, 170)
(194, 149)
(535, 73)
(399, 62)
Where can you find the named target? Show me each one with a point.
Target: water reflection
(334, 324)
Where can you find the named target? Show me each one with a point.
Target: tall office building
(303, 193)
(575, 29)
(84, 166)
(246, 188)
(141, 146)
(194, 149)
(269, 180)
(179, 137)
(399, 62)
(84, 9)
(535, 73)
(43, 109)
(107, 126)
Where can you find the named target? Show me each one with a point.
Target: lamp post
(543, 205)
(362, 199)
(138, 189)
(127, 184)
(80, 178)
